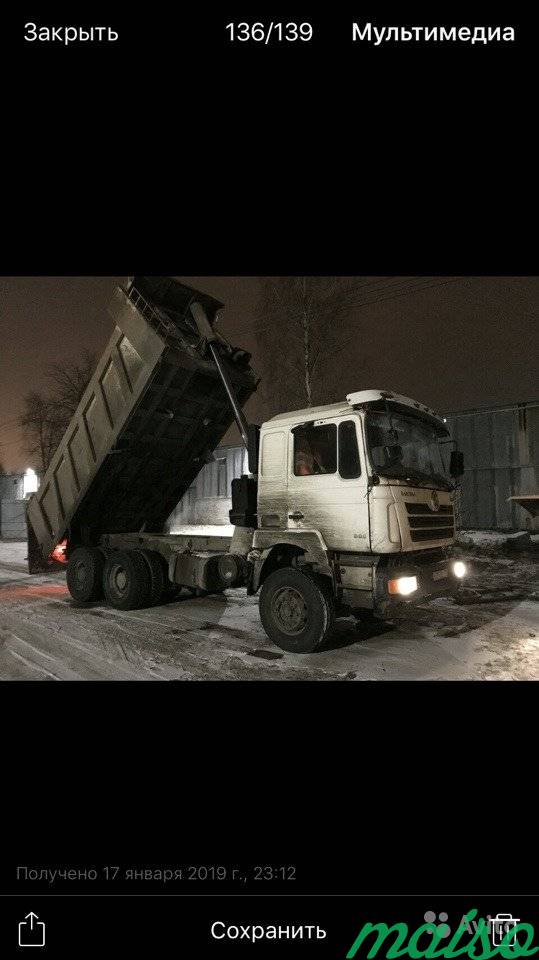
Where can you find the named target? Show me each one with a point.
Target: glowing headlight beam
(402, 585)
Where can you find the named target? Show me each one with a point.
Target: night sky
(464, 343)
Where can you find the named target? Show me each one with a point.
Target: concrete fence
(501, 459)
(12, 519)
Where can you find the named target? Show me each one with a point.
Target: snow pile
(493, 541)
(483, 538)
(13, 551)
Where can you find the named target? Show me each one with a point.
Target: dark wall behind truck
(501, 457)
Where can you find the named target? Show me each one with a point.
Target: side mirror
(456, 464)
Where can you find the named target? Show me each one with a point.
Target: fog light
(459, 569)
(402, 585)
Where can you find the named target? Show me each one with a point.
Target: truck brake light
(59, 552)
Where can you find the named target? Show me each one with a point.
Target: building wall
(501, 458)
(11, 486)
(208, 498)
(12, 507)
(12, 519)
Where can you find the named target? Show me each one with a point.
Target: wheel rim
(119, 579)
(80, 573)
(289, 611)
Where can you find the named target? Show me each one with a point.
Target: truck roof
(358, 399)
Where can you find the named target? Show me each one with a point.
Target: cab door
(327, 482)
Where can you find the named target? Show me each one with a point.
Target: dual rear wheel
(127, 578)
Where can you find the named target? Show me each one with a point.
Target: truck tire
(158, 575)
(126, 580)
(296, 609)
(85, 574)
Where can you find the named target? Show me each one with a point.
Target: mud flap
(36, 561)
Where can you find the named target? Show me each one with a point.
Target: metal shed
(501, 455)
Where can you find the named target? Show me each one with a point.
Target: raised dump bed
(151, 416)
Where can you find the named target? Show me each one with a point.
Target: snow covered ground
(491, 631)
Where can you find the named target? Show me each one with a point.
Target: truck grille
(427, 524)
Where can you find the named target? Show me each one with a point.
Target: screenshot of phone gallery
(288, 480)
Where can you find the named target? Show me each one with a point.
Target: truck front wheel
(296, 609)
(85, 574)
(126, 580)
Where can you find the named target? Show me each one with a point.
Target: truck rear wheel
(158, 575)
(126, 580)
(85, 574)
(296, 609)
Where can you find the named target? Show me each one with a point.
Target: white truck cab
(359, 493)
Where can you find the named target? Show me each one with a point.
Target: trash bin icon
(501, 924)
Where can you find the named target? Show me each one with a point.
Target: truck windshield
(407, 447)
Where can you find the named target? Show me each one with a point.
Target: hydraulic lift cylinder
(205, 330)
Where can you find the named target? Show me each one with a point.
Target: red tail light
(59, 552)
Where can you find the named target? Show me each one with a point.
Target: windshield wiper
(417, 476)
(442, 480)
(409, 475)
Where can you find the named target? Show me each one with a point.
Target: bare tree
(46, 416)
(68, 384)
(299, 333)
(42, 431)
(307, 325)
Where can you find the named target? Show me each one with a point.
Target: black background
(174, 152)
(173, 146)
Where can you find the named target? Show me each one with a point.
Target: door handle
(295, 516)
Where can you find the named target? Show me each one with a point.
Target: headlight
(459, 569)
(402, 585)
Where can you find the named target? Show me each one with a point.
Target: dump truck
(347, 509)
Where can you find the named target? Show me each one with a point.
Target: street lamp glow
(459, 569)
(30, 482)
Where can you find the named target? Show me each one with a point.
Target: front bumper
(435, 578)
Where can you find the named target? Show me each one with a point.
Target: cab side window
(315, 449)
(349, 463)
